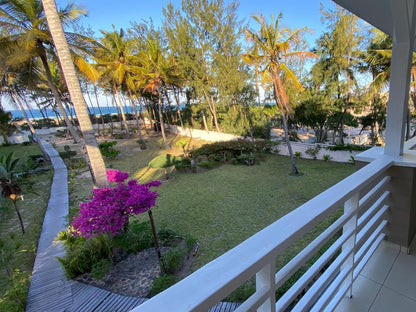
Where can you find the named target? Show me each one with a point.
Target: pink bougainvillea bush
(110, 207)
(116, 175)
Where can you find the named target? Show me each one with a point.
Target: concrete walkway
(49, 290)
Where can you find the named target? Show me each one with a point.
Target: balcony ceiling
(376, 12)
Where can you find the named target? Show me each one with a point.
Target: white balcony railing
(364, 196)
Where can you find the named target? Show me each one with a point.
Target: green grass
(224, 206)
(18, 251)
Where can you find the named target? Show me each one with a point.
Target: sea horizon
(49, 113)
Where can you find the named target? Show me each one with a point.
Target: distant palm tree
(275, 47)
(29, 37)
(96, 161)
(112, 58)
(155, 73)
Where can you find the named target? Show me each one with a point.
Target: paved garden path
(49, 289)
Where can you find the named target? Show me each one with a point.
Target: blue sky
(102, 14)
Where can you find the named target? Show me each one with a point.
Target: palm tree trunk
(123, 116)
(289, 146)
(99, 109)
(142, 144)
(93, 114)
(162, 126)
(55, 93)
(18, 215)
(178, 106)
(282, 100)
(32, 129)
(96, 162)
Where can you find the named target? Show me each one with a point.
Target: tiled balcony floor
(387, 283)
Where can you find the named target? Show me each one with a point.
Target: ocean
(35, 113)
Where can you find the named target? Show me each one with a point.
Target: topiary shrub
(67, 153)
(107, 149)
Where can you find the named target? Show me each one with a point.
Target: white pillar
(265, 281)
(403, 14)
(350, 206)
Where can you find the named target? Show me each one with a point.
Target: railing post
(265, 280)
(351, 205)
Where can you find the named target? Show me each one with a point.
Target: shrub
(101, 268)
(183, 143)
(298, 154)
(165, 235)
(162, 283)
(183, 164)
(107, 149)
(261, 131)
(236, 147)
(137, 237)
(205, 164)
(77, 163)
(82, 254)
(244, 159)
(313, 151)
(67, 153)
(348, 147)
(327, 157)
(173, 259)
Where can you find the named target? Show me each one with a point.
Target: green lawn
(17, 251)
(224, 206)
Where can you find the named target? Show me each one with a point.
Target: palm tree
(92, 74)
(156, 72)
(113, 58)
(28, 34)
(96, 161)
(275, 48)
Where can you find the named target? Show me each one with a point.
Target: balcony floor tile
(380, 264)
(402, 277)
(364, 292)
(388, 300)
(387, 283)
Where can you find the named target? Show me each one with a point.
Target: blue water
(16, 113)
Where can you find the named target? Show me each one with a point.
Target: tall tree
(377, 62)
(339, 54)
(276, 47)
(156, 72)
(95, 159)
(204, 37)
(113, 58)
(29, 35)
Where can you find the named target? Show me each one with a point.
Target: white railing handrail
(217, 279)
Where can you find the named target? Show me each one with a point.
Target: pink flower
(110, 207)
(116, 175)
